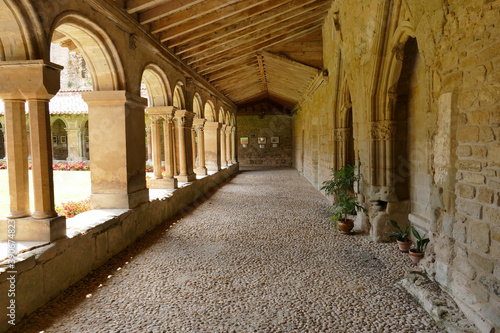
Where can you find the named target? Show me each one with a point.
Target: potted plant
(402, 237)
(416, 254)
(342, 187)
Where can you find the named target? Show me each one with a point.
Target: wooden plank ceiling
(251, 50)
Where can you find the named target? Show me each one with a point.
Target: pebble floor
(258, 255)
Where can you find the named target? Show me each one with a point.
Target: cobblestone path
(256, 256)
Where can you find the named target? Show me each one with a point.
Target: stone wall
(268, 126)
(426, 132)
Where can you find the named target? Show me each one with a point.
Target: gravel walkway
(256, 256)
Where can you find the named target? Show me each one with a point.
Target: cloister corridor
(255, 255)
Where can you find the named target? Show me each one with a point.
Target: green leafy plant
(341, 185)
(402, 236)
(421, 242)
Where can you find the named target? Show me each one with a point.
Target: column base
(164, 183)
(186, 179)
(118, 200)
(44, 215)
(18, 214)
(201, 171)
(30, 230)
(215, 168)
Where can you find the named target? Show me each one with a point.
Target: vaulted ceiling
(250, 50)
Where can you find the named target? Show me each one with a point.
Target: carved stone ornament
(155, 119)
(342, 134)
(383, 130)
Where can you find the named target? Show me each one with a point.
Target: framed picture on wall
(244, 140)
(63, 139)
(262, 140)
(275, 139)
(54, 140)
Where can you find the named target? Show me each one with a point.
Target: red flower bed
(77, 166)
(3, 166)
(72, 208)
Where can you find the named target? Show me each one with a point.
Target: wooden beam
(290, 63)
(252, 46)
(251, 38)
(227, 28)
(262, 72)
(201, 15)
(233, 71)
(132, 6)
(165, 9)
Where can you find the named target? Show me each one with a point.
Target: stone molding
(383, 130)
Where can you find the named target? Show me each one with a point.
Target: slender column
(193, 146)
(228, 145)
(16, 145)
(167, 134)
(149, 145)
(117, 150)
(223, 160)
(183, 122)
(81, 145)
(41, 158)
(233, 145)
(156, 141)
(212, 145)
(198, 126)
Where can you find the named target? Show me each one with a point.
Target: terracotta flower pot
(404, 246)
(416, 257)
(346, 226)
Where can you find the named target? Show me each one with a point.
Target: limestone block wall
(426, 132)
(268, 126)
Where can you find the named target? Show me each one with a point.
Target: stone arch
(344, 135)
(197, 106)
(157, 85)
(227, 118)
(178, 99)
(221, 115)
(78, 33)
(22, 35)
(233, 120)
(209, 111)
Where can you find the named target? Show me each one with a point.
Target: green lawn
(69, 186)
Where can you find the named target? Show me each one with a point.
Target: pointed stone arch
(197, 106)
(209, 111)
(178, 99)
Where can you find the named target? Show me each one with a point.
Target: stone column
(149, 156)
(228, 145)
(157, 148)
(212, 145)
(223, 161)
(198, 126)
(16, 145)
(156, 114)
(183, 123)
(193, 146)
(233, 145)
(117, 150)
(74, 144)
(35, 81)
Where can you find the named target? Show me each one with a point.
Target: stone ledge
(437, 302)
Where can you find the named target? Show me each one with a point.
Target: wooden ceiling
(250, 50)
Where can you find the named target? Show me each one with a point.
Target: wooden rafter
(165, 9)
(262, 71)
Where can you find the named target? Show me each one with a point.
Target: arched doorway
(59, 140)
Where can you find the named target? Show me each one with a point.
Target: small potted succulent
(342, 187)
(417, 253)
(402, 237)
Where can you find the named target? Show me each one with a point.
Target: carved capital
(155, 119)
(342, 134)
(383, 130)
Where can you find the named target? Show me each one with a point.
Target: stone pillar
(74, 144)
(212, 145)
(157, 148)
(16, 145)
(149, 153)
(233, 145)
(223, 161)
(193, 146)
(35, 81)
(183, 123)
(198, 126)
(41, 157)
(117, 150)
(228, 145)
(156, 114)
